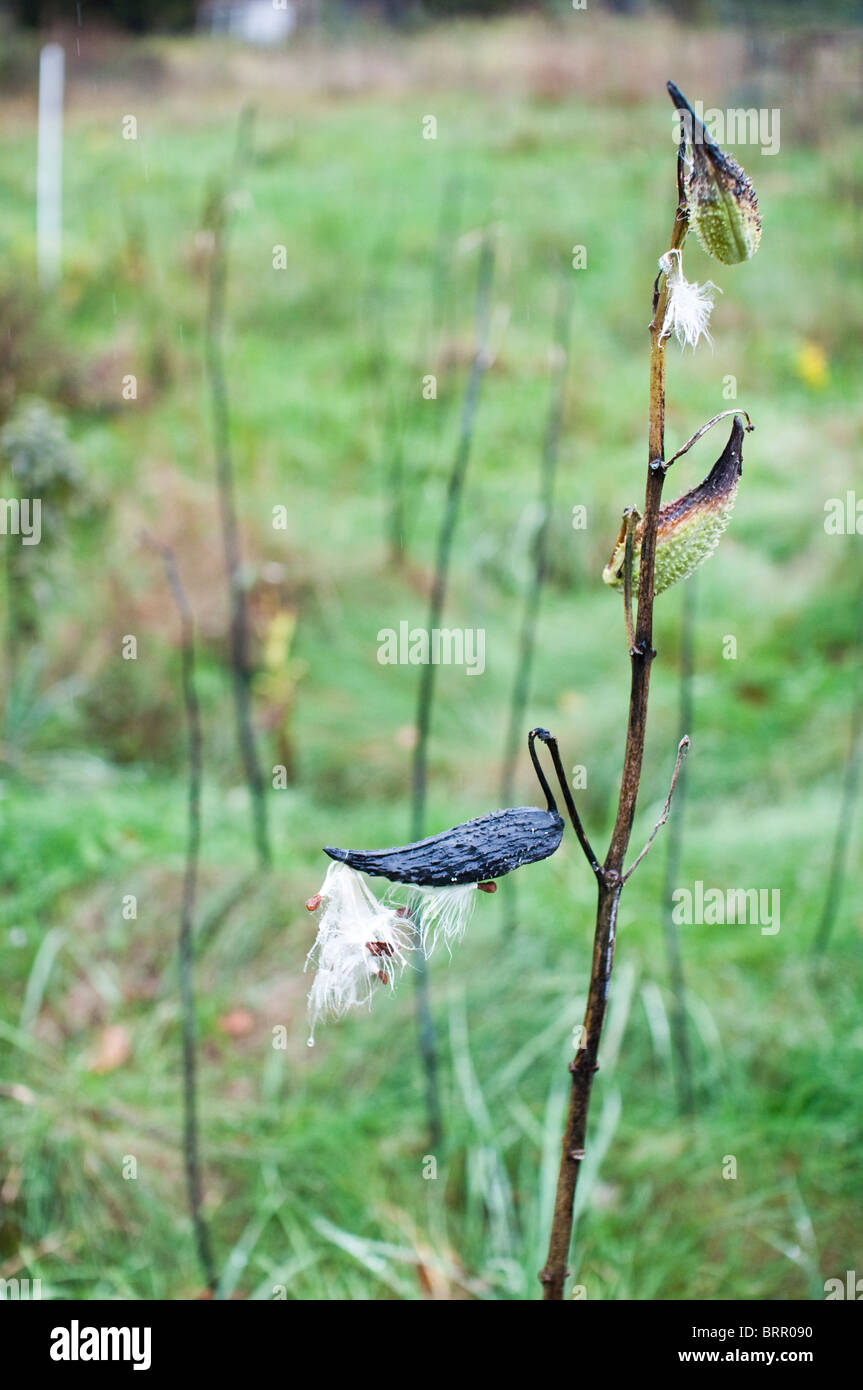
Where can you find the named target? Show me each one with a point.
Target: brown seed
(314, 902)
(487, 887)
(379, 948)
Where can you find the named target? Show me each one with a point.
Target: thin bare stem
(551, 744)
(191, 1153)
(850, 784)
(682, 750)
(704, 428)
(425, 696)
(241, 670)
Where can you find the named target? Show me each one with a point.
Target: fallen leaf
(113, 1050)
(238, 1023)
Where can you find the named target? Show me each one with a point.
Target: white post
(49, 172)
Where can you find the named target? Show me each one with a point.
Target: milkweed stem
(610, 875)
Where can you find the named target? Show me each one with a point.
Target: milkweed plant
(364, 941)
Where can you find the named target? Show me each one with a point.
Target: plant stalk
(191, 1152)
(845, 819)
(425, 699)
(610, 879)
(241, 670)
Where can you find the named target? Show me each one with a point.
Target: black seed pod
(479, 850)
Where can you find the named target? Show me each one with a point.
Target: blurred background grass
(554, 130)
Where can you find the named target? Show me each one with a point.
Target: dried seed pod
(443, 874)
(690, 527)
(722, 205)
(475, 852)
(469, 854)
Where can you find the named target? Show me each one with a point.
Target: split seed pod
(476, 852)
(362, 941)
(722, 205)
(690, 527)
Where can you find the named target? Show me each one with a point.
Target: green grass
(314, 1157)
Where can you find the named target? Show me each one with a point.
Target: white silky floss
(689, 305)
(364, 942)
(361, 943)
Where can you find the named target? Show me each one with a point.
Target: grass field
(315, 1158)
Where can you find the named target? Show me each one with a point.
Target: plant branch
(241, 670)
(551, 744)
(850, 783)
(643, 653)
(704, 428)
(682, 750)
(610, 882)
(192, 1159)
(425, 697)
